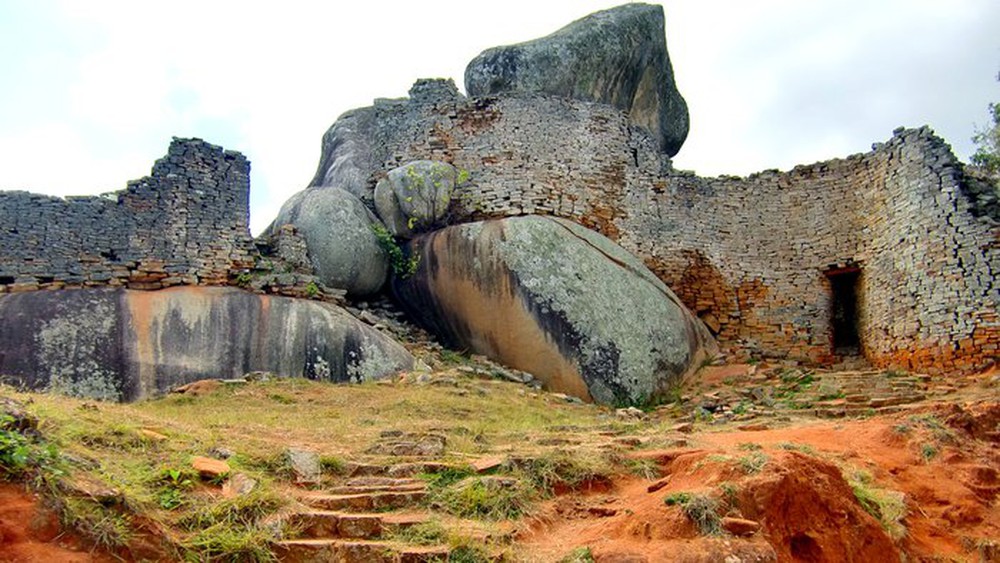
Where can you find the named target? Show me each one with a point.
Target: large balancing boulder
(551, 298)
(617, 57)
(340, 240)
(119, 344)
(415, 196)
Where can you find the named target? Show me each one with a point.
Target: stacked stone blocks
(185, 224)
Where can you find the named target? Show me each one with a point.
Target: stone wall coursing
(748, 255)
(185, 224)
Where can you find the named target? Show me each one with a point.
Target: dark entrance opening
(844, 310)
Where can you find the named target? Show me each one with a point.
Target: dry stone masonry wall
(756, 258)
(185, 224)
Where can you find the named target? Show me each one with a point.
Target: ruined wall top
(186, 223)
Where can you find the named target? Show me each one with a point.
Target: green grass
(702, 509)
(486, 497)
(752, 462)
(258, 421)
(886, 506)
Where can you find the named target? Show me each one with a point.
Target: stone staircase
(855, 393)
(355, 520)
(746, 392)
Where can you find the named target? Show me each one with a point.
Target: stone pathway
(355, 520)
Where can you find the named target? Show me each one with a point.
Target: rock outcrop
(121, 344)
(415, 196)
(346, 153)
(341, 244)
(617, 57)
(554, 299)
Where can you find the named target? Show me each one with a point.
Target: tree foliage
(987, 142)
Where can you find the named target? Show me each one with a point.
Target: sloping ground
(457, 464)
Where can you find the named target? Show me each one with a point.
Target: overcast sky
(91, 91)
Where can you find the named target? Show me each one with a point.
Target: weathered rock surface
(346, 153)
(552, 298)
(618, 57)
(125, 345)
(342, 247)
(415, 196)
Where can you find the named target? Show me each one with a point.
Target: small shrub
(402, 265)
(928, 452)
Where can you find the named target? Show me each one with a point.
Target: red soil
(30, 534)
(806, 509)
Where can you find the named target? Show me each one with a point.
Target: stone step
(365, 501)
(361, 489)
(890, 400)
(396, 470)
(381, 482)
(329, 524)
(356, 551)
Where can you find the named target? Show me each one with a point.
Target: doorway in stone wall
(844, 310)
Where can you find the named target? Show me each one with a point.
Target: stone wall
(751, 256)
(185, 224)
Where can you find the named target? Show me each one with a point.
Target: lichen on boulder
(551, 298)
(415, 196)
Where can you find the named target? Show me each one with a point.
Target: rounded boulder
(340, 239)
(549, 297)
(415, 196)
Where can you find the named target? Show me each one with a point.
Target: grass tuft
(702, 509)
(486, 497)
(886, 506)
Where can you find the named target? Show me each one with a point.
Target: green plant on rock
(402, 265)
(312, 290)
